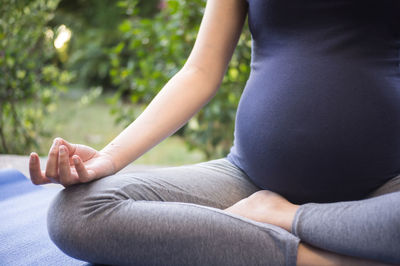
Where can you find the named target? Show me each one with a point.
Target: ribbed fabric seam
(296, 221)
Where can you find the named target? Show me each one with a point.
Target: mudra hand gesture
(70, 164)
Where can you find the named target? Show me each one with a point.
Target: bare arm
(183, 96)
(190, 89)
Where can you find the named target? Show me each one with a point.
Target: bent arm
(190, 89)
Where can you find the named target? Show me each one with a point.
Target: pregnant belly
(319, 131)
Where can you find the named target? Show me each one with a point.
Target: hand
(70, 164)
(266, 207)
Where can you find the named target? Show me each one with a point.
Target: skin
(269, 207)
(181, 98)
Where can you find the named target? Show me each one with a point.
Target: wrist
(109, 156)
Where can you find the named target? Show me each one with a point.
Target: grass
(92, 124)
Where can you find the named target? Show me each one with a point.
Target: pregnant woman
(312, 178)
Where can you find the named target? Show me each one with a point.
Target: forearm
(190, 89)
(181, 98)
(367, 228)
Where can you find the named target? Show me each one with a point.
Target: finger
(71, 147)
(52, 160)
(83, 174)
(36, 174)
(64, 169)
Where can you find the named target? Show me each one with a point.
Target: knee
(395, 219)
(65, 224)
(55, 218)
(76, 216)
(393, 238)
(389, 227)
(390, 203)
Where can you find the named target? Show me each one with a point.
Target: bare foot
(269, 207)
(266, 207)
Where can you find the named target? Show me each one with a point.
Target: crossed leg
(168, 216)
(173, 216)
(368, 229)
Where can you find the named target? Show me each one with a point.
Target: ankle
(288, 214)
(273, 208)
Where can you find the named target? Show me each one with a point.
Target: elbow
(209, 78)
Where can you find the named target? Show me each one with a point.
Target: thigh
(393, 185)
(216, 183)
(114, 229)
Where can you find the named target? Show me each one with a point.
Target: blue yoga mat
(13, 183)
(23, 230)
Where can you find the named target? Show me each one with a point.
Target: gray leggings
(173, 216)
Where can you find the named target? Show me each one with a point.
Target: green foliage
(135, 46)
(78, 110)
(28, 76)
(94, 25)
(154, 48)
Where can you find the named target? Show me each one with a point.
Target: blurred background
(85, 69)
